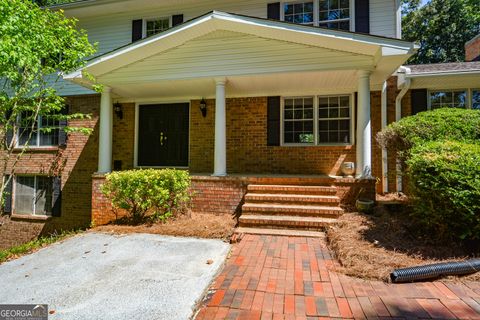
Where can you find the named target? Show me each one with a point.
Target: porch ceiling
(258, 56)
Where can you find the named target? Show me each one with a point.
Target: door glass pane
(24, 192)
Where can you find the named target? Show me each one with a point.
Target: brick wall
(75, 163)
(472, 49)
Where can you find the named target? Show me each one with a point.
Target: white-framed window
(317, 120)
(334, 120)
(333, 14)
(33, 195)
(299, 12)
(448, 98)
(40, 136)
(298, 120)
(476, 99)
(155, 25)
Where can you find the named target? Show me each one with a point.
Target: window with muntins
(299, 12)
(334, 119)
(44, 132)
(448, 98)
(298, 120)
(33, 195)
(318, 120)
(157, 25)
(334, 14)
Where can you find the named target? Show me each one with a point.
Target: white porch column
(105, 132)
(220, 165)
(364, 135)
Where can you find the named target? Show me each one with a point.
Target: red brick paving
(275, 277)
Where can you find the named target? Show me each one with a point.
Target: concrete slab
(102, 276)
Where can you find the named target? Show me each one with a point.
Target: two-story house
(247, 95)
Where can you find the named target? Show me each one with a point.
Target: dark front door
(163, 135)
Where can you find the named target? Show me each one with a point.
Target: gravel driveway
(102, 276)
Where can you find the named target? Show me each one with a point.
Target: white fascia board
(336, 40)
(444, 73)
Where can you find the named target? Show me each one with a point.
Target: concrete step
(281, 232)
(292, 198)
(291, 189)
(291, 209)
(294, 222)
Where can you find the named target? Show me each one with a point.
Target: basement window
(33, 195)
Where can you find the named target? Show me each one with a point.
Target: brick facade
(75, 163)
(247, 155)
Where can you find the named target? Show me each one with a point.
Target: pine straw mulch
(193, 224)
(370, 247)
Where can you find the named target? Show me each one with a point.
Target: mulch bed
(199, 225)
(372, 246)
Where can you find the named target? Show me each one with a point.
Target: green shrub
(444, 181)
(440, 124)
(156, 193)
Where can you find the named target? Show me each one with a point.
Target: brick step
(281, 232)
(291, 209)
(292, 198)
(294, 222)
(291, 189)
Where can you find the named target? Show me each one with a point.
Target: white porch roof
(258, 56)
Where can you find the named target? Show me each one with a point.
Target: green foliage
(444, 180)
(439, 124)
(35, 244)
(157, 193)
(36, 47)
(441, 27)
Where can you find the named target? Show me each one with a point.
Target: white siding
(114, 30)
(383, 18)
(222, 52)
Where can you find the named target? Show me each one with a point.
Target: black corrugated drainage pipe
(435, 270)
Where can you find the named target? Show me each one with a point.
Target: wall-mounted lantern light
(117, 108)
(203, 107)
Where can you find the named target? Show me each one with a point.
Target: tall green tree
(36, 47)
(441, 27)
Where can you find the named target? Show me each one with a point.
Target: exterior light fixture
(117, 107)
(203, 107)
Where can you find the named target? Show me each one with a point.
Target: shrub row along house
(240, 93)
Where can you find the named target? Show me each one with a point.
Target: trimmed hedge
(440, 153)
(440, 124)
(444, 181)
(156, 193)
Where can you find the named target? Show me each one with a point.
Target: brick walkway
(274, 277)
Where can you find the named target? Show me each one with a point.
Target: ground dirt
(199, 225)
(372, 246)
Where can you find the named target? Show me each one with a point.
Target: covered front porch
(222, 92)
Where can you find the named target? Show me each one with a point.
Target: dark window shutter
(273, 121)
(8, 195)
(362, 16)
(273, 11)
(177, 19)
(137, 26)
(62, 135)
(56, 196)
(419, 100)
